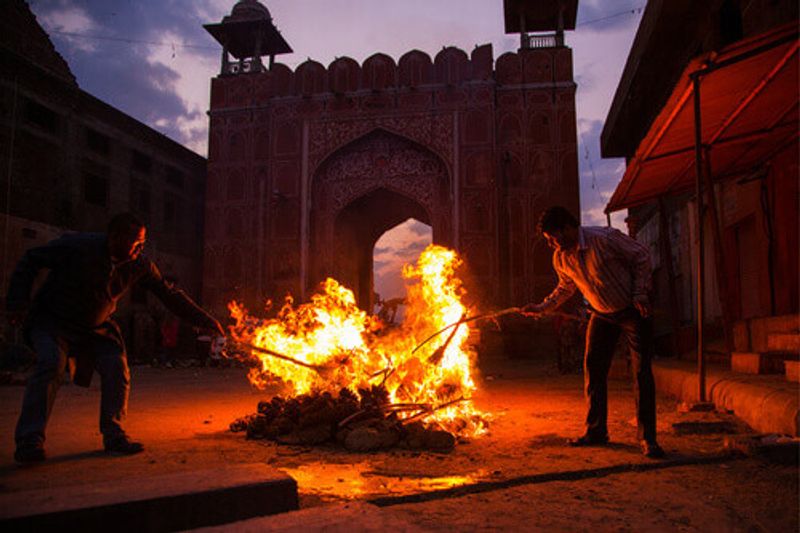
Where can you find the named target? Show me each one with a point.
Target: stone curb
(767, 403)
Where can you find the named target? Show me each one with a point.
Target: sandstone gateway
(309, 167)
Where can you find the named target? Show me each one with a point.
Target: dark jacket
(83, 287)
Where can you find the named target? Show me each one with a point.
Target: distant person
(169, 330)
(69, 319)
(612, 271)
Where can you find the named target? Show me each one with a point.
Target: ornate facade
(307, 168)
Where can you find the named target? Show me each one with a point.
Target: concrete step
(752, 334)
(768, 404)
(784, 342)
(756, 363)
(170, 502)
(792, 371)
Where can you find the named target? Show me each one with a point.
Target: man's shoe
(122, 445)
(29, 452)
(651, 449)
(589, 440)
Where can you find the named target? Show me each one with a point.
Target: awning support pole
(719, 254)
(698, 159)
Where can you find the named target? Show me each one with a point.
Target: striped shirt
(608, 267)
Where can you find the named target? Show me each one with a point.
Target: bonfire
(349, 378)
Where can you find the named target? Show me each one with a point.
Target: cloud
(70, 19)
(599, 58)
(419, 228)
(598, 177)
(133, 56)
(397, 247)
(190, 82)
(601, 15)
(413, 248)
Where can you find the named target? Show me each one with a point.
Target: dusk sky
(153, 60)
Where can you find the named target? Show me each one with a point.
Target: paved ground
(519, 477)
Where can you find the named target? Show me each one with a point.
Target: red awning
(749, 111)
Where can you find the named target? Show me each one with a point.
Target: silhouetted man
(70, 320)
(612, 271)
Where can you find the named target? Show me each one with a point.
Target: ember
(353, 380)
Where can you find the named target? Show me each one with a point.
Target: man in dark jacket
(69, 321)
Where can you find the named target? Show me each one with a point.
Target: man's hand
(533, 310)
(214, 328)
(642, 304)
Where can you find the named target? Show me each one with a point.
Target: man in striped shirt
(612, 271)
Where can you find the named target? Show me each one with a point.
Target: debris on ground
(781, 449)
(360, 423)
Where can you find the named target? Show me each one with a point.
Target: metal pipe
(767, 214)
(720, 263)
(711, 67)
(698, 159)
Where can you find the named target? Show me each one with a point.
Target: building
(732, 65)
(70, 161)
(309, 167)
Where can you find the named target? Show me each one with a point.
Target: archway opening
(357, 229)
(398, 246)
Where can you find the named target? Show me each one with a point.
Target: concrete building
(733, 64)
(70, 161)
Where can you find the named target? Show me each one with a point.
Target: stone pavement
(520, 475)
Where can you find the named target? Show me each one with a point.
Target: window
(174, 177)
(97, 142)
(95, 189)
(140, 196)
(141, 162)
(172, 213)
(41, 116)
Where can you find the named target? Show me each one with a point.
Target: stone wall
(496, 141)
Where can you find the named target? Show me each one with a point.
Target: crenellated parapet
(415, 70)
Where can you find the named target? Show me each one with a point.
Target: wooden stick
(266, 351)
(430, 411)
(438, 354)
(509, 311)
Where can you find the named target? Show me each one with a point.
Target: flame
(353, 350)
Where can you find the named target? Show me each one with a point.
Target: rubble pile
(360, 422)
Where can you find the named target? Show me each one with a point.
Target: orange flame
(331, 332)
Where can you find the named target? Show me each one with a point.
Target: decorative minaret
(524, 16)
(247, 34)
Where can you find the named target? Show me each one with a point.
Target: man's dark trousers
(52, 349)
(602, 335)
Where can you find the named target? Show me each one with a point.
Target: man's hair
(126, 223)
(556, 218)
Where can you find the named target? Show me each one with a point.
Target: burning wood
(321, 369)
(361, 423)
(353, 381)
